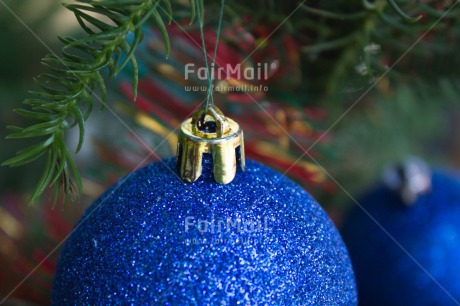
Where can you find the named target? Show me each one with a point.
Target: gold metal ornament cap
(209, 131)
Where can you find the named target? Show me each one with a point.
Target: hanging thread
(209, 68)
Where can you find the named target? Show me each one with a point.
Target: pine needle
(73, 79)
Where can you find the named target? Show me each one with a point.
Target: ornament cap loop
(209, 131)
(199, 119)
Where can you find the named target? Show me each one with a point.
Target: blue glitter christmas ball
(153, 239)
(412, 256)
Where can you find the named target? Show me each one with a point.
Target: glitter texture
(156, 240)
(429, 230)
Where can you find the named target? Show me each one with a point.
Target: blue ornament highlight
(428, 230)
(154, 239)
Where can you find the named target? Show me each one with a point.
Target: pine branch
(362, 24)
(65, 96)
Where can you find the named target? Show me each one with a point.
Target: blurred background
(326, 59)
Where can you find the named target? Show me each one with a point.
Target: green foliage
(342, 32)
(333, 37)
(412, 119)
(66, 93)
